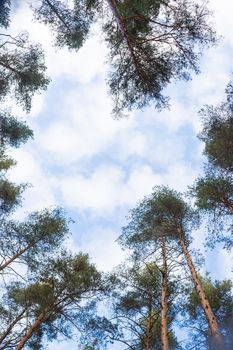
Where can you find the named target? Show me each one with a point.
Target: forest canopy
(62, 281)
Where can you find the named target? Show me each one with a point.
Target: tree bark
(31, 330)
(7, 66)
(113, 6)
(11, 326)
(57, 14)
(22, 251)
(148, 325)
(227, 204)
(164, 326)
(216, 335)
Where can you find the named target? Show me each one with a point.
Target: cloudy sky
(96, 167)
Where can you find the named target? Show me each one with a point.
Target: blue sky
(98, 168)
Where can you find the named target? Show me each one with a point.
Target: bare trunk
(227, 204)
(1, 136)
(7, 66)
(113, 5)
(164, 328)
(216, 335)
(57, 14)
(31, 330)
(148, 325)
(11, 326)
(22, 251)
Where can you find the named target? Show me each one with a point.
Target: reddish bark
(212, 322)
(164, 327)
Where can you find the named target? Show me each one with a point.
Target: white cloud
(29, 170)
(84, 128)
(180, 175)
(107, 188)
(111, 187)
(101, 245)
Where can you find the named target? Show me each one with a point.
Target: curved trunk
(216, 335)
(164, 328)
(31, 330)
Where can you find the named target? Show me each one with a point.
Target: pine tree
(139, 306)
(69, 25)
(12, 134)
(21, 69)
(165, 214)
(219, 294)
(150, 42)
(56, 299)
(31, 241)
(217, 132)
(213, 192)
(213, 195)
(5, 13)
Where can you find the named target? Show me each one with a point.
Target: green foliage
(159, 215)
(21, 70)
(12, 131)
(217, 132)
(61, 290)
(9, 196)
(4, 13)
(219, 294)
(214, 194)
(32, 241)
(6, 162)
(151, 43)
(214, 191)
(137, 300)
(70, 26)
(39, 293)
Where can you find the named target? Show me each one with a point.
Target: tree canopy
(217, 132)
(150, 43)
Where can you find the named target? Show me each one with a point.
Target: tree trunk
(164, 328)
(7, 66)
(148, 324)
(11, 326)
(216, 335)
(113, 6)
(22, 251)
(227, 204)
(31, 330)
(57, 14)
(137, 59)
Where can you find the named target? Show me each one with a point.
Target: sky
(98, 168)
